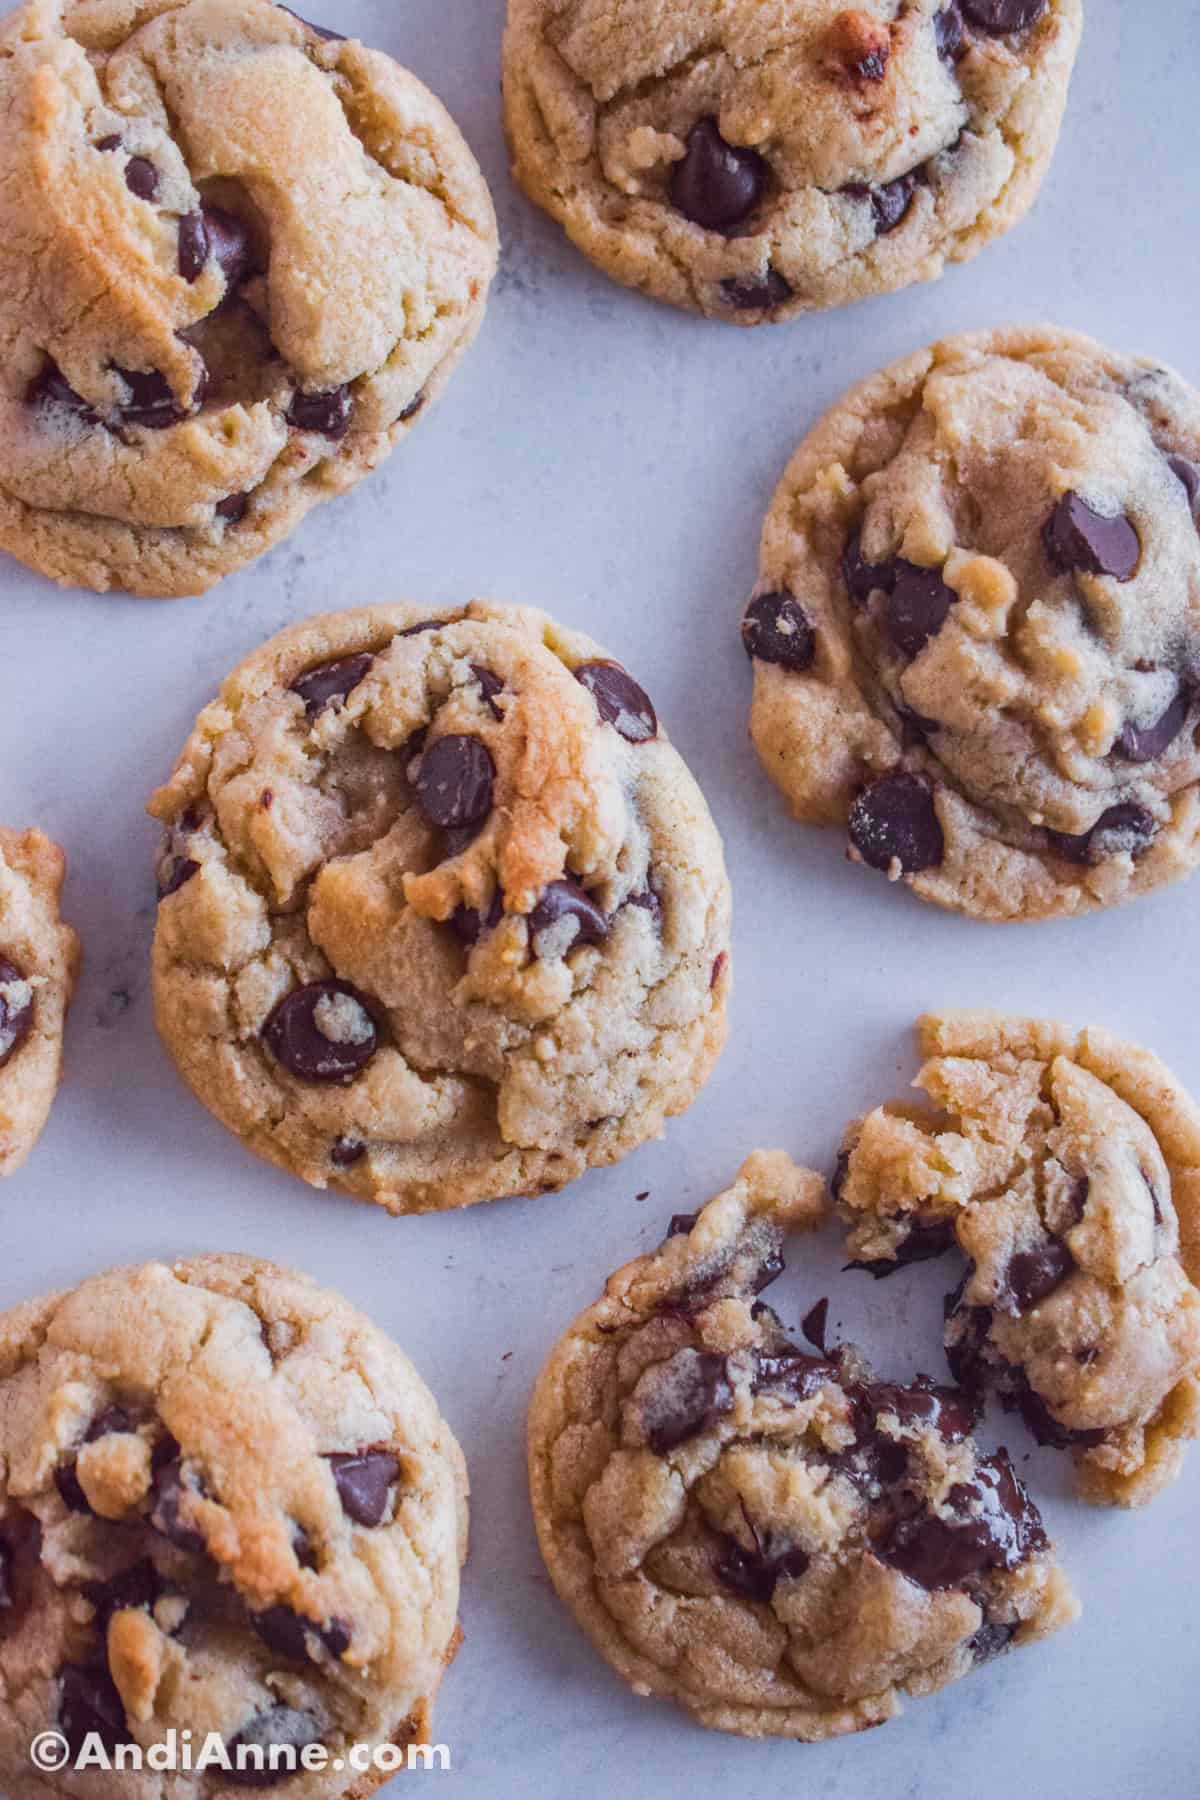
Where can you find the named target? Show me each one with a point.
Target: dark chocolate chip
(566, 900)
(995, 1525)
(229, 245)
(717, 184)
(1032, 1274)
(891, 202)
(791, 1373)
(294, 1037)
(51, 388)
(813, 1324)
(326, 412)
(330, 681)
(285, 1632)
(193, 246)
(1125, 829)
(1143, 743)
(776, 629)
(948, 1411)
(697, 1393)
(141, 178)
(756, 293)
(1078, 537)
(948, 32)
(109, 1423)
(469, 924)
(1000, 16)
(1018, 1396)
(321, 31)
(364, 1479)
(232, 508)
(165, 1516)
(966, 1335)
(345, 1152)
(454, 782)
(490, 686)
(89, 1703)
(1189, 474)
(151, 403)
(134, 1590)
(175, 874)
(112, 142)
(619, 700)
(861, 577)
(70, 1491)
(756, 1573)
(681, 1224)
(918, 607)
(413, 408)
(280, 1728)
(837, 1182)
(991, 1640)
(648, 900)
(895, 819)
(16, 1017)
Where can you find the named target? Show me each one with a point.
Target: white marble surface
(610, 460)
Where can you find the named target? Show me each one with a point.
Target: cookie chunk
(756, 162)
(228, 1506)
(1066, 1168)
(974, 635)
(239, 257)
(775, 1539)
(39, 960)
(443, 915)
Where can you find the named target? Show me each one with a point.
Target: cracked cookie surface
(238, 257)
(443, 916)
(1066, 1168)
(39, 960)
(754, 162)
(773, 1538)
(229, 1505)
(974, 633)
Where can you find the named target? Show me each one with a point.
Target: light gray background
(611, 460)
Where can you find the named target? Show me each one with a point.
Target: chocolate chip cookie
(39, 960)
(229, 1506)
(239, 258)
(756, 162)
(1065, 1167)
(443, 915)
(773, 1538)
(974, 635)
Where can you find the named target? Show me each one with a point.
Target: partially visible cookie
(39, 960)
(443, 917)
(228, 1506)
(974, 634)
(1066, 1168)
(239, 258)
(772, 1538)
(756, 162)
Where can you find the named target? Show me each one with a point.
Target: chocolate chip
(948, 1411)
(1000, 16)
(948, 32)
(232, 508)
(1143, 743)
(469, 924)
(1125, 829)
(192, 251)
(113, 141)
(1189, 474)
(51, 388)
(490, 685)
(151, 403)
(717, 184)
(454, 782)
(814, 1322)
(918, 607)
(364, 1479)
(619, 700)
(141, 178)
(966, 1335)
(175, 874)
(754, 293)
(1018, 1396)
(166, 1516)
(134, 1590)
(895, 820)
(1032, 1274)
(861, 577)
(113, 1420)
(321, 31)
(681, 1224)
(326, 412)
(648, 901)
(993, 1525)
(776, 629)
(228, 245)
(70, 1491)
(296, 1037)
(280, 1728)
(330, 681)
(89, 1703)
(413, 408)
(1076, 536)
(989, 1641)
(16, 1016)
(696, 1392)
(565, 900)
(791, 1373)
(285, 1632)
(889, 203)
(756, 1573)
(345, 1152)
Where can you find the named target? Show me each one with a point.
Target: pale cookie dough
(39, 961)
(754, 162)
(1066, 1168)
(443, 917)
(975, 632)
(239, 257)
(772, 1538)
(229, 1506)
